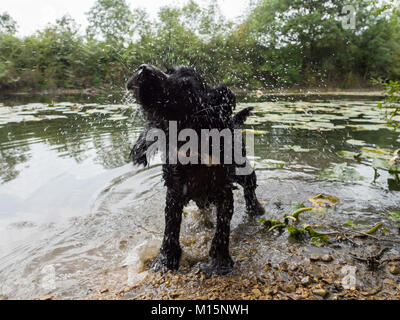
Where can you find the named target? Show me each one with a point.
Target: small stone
(326, 258)
(395, 269)
(370, 292)
(127, 289)
(320, 292)
(292, 267)
(47, 297)
(389, 282)
(104, 290)
(256, 292)
(305, 281)
(315, 257)
(290, 288)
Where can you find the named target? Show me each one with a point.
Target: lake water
(74, 212)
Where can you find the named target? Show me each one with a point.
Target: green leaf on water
(256, 132)
(341, 172)
(316, 237)
(298, 211)
(395, 216)
(374, 228)
(323, 200)
(297, 205)
(296, 232)
(350, 155)
(271, 224)
(356, 142)
(296, 148)
(350, 223)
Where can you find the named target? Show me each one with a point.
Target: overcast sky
(32, 15)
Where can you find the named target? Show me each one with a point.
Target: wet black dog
(181, 95)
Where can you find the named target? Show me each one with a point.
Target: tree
(112, 19)
(305, 41)
(7, 24)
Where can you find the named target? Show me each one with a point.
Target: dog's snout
(133, 82)
(143, 67)
(143, 74)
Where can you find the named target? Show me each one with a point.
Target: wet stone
(326, 258)
(395, 269)
(320, 292)
(315, 257)
(290, 288)
(306, 280)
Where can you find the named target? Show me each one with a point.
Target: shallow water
(74, 213)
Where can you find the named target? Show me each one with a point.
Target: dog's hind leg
(170, 252)
(221, 261)
(249, 184)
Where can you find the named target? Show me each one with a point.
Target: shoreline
(312, 277)
(289, 91)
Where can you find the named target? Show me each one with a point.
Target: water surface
(74, 208)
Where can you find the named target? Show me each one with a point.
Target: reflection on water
(70, 200)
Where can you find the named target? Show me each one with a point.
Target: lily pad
(395, 216)
(324, 200)
(256, 132)
(296, 148)
(341, 172)
(356, 142)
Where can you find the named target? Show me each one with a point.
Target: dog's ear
(224, 98)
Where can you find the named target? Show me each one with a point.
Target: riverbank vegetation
(276, 44)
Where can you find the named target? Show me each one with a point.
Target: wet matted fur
(181, 95)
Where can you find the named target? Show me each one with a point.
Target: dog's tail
(138, 154)
(240, 117)
(140, 151)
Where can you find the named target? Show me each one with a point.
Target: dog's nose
(132, 82)
(142, 68)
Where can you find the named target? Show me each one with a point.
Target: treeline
(277, 43)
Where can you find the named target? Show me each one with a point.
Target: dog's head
(178, 93)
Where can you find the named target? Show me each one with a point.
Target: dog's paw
(255, 210)
(162, 263)
(217, 267)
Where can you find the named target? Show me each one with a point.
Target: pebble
(47, 297)
(256, 292)
(292, 267)
(315, 257)
(290, 288)
(326, 258)
(306, 280)
(389, 282)
(320, 292)
(395, 269)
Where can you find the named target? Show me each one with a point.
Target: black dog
(181, 95)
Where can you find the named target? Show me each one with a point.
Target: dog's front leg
(249, 184)
(221, 261)
(170, 252)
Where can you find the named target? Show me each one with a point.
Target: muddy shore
(319, 277)
(295, 272)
